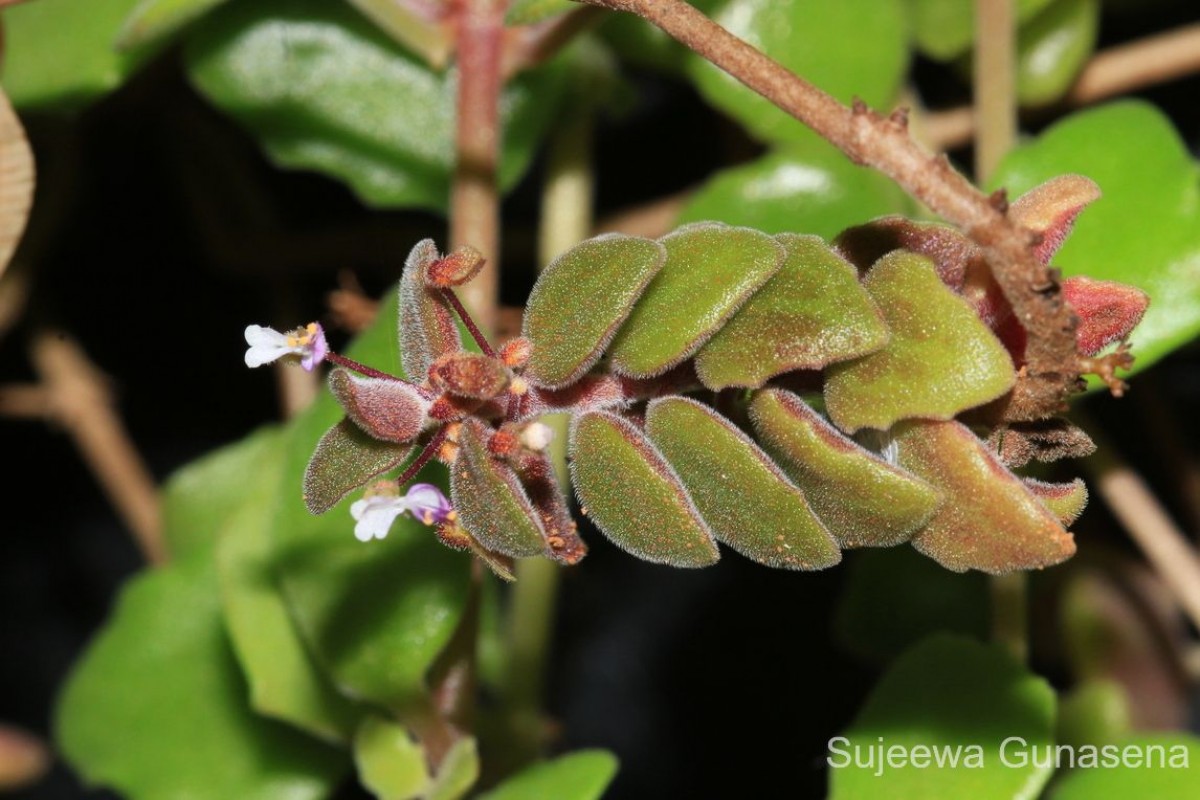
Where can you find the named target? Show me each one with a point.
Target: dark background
(706, 684)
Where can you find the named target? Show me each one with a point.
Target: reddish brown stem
(465, 316)
(426, 455)
(361, 369)
(474, 199)
(867, 138)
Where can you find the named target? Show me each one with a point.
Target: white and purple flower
(267, 344)
(375, 513)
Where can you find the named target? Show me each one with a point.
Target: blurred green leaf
(1052, 49)
(893, 598)
(58, 55)
(374, 614)
(711, 271)
(323, 89)
(527, 12)
(458, 772)
(852, 48)
(157, 709)
(1095, 712)
(945, 29)
(1145, 230)
(583, 775)
(199, 498)
(1170, 774)
(804, 188)
(948, 695)
(284, 681)
(153, 20)
(391, 764)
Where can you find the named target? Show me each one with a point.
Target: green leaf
(583, 775)
(948, 695)
(940, 361)
(284, 681)
(634, 496)
(391, 765)
(1052, 49)
(742, 495)
(156, 708)
(945, 29)
(1065, 500)
(155, 20)
(892, 599)
(528, 12)
(580, 300)
(711, 271)
(458, 773)
(345, 459)
(811, 314)
(1096, 712)
(808, 188)
(889, 505)
(1161, 765)
(323, 89)
(852, 48)
(989, 520)
(491, 503)
(430, 38)
(56, 55)
(377, 614)
(199, 498)
(1145, 230)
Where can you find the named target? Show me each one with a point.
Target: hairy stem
(474, 197)
(354, 366)
(883, 143)
(469, 322)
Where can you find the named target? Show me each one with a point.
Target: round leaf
(577, 776)
(1052, 49)
(391, 765)
(948, 696)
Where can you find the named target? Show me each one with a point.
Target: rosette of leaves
(780, 395)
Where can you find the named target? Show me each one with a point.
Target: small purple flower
(375, 513)
(268, 344)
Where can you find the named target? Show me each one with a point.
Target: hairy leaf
(345, 459)
(582, 775)
(940, 361)
(491, 503)
(157, 707)
(1051, 208)
(989, 520)
(633, 495)
(711, 270)
(952, 253)
(863, 500)
(471, 375)
(951, 694)
(428, 329)
(1108, 311)
(1065, 500)
(561, 533)
(1045, 440)
(742, 495)
(580, 300)
(811, 314)
(392, 411)
(810, 187)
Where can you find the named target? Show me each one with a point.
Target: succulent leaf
(863, 500)
(742, 495)
(1108, 311)
(393, 411)
(345, 459)
(561, 533)
(490, 501)
(710, 272)
(1051, 209)
(811, 314)
(1065, 500)
(940, 361)
(580, 301)
(428, 329)
(951, 252)
(634, 496)
(989, 520)
(472, 375)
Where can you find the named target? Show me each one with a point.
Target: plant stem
(883, 143)
(996, 111)
(474, 198)
(472, 328)
(566, 220)
(362, 369)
